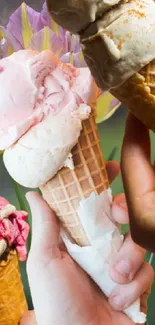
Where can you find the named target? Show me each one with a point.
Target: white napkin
(105, 241)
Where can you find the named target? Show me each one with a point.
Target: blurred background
(111, 135)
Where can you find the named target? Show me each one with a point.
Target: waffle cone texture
(138, 95)
(12, 298)
(64, 192)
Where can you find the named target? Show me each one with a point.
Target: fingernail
(116, 302)
(30, 196)
(123, 268)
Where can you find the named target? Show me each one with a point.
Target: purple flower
(50, 22)
(15, 26)
(67, 48)
(28, 28)
(8, 44)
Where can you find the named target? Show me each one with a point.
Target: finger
(144, 299)
(28, 319)
(124, 296)
(113, 169)
(45, 227)
(119, 209)
(139, 183)
(127, 264)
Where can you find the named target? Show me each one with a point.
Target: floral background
(111, 134)
(8, 6)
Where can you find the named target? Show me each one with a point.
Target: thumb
(28, 319)
(45, 226)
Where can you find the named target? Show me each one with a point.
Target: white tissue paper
(105, 241)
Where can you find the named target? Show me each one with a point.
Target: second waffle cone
(12, 298)
(64, 192)
(138, 94)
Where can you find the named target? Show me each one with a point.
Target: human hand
(62, 292)
(139, 182)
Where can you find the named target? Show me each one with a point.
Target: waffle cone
(64, 192)
(138, 94)
(12, 299)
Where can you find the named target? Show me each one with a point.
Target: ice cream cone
(138, 94)
(12, 299)
(64, 192)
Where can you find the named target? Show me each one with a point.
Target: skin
(139, 182)
(62, 292)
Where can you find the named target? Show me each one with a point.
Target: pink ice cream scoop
(21, 78)
(44, 103)
(13, 227)
(33, 85)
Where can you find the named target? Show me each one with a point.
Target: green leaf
(25, 281)
(113, 154)
(38, 191)
(151, 258)
(23, 206)
(19, 195)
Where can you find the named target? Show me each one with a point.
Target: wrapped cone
(64, 192)
(12, 298)
(138, 94)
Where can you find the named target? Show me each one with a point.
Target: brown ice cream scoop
(76, 15)
(117, 39)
